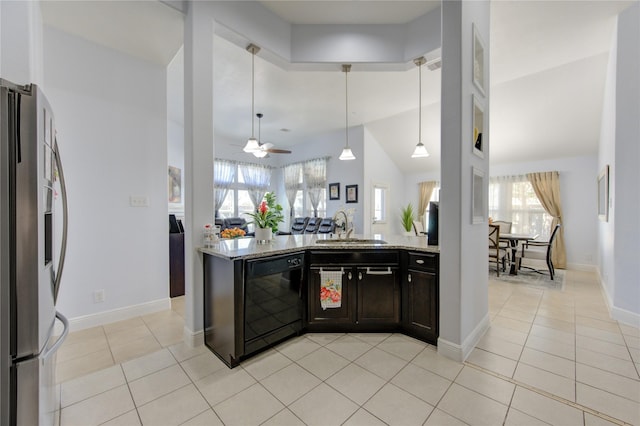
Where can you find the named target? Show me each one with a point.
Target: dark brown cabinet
(370, 297)
(176, 265)
(378, 296)
(345, 314)
(420, 302)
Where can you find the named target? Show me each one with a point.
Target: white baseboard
(460, 353)
(120, 314)
(618, 314)
(627, 317)
(193, 338)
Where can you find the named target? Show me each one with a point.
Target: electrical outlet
(138, 201)
(98, 296)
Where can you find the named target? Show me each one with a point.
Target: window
(379, 204)
(513, 199)
(236, 202)
(309, 180)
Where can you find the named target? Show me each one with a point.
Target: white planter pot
(263, 235)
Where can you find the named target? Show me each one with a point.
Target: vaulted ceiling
(548, 65)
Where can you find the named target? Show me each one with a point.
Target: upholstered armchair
(299, 224)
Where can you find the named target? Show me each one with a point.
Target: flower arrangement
(269, 213)
(232, 233)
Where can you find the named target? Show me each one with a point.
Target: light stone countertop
(248, 248)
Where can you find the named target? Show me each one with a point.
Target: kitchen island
(256, 295)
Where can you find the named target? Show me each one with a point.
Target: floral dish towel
(330, 289)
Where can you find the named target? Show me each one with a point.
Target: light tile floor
(550, 357)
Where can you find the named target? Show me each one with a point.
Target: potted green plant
(406, 216)
(267, 217)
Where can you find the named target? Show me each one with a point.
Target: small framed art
(603, 194)
(334, 191)
(478, 61)
(352, 193)
(478, 140)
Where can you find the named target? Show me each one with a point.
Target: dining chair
(496, 253)
(540, 250)
(505, 228)
(327, 226)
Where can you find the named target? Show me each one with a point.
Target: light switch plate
(138, 201)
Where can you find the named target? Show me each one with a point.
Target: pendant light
(252, 143)
(260, 153)
(421, 150)
(346, 152)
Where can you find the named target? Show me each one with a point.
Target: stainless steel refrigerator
(31, 256)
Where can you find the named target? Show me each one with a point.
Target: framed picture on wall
(175, 185)
(334, 191)
(478, 204)
(478, 61)
(478, 140)
(352, 193)
(603, 194)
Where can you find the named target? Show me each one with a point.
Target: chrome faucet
(348, 230)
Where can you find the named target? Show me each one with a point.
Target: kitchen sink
(351, 241)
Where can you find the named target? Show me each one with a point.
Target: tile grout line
(549, 395)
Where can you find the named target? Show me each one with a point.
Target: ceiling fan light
(420, 151)
(260, 153)
(252, 145)
(347, 154)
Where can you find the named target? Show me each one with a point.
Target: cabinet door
(329, 315)
(420, 316)
(378, 296)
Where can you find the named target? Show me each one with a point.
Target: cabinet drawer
(355, 257)
(423, 261)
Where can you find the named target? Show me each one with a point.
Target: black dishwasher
(273, 300)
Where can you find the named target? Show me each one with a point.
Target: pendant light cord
(346, 106)
(253, 85)
(420, 102)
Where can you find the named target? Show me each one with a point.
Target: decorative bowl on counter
(232, 233)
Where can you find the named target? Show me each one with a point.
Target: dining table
(514, 241)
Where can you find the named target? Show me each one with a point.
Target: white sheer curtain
(224, 173)
(315, 175)
(292, 182)
(257, 179)
(512, 199)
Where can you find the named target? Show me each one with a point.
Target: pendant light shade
(252, 143)
(420, 151)
(346, 152)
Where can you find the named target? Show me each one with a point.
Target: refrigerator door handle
(61, 339)
(65, 222)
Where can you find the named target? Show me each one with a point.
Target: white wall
(110, 112)
(380, 169)
(627, 157)
(606, 155)
(619, 238)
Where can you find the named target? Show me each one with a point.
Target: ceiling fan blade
(278, 151)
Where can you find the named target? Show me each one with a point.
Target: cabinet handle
(349, 276)
(360, 275)
(409, 278)
(419, 261)
(387, 272)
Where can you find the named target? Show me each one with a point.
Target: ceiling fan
(266, 148)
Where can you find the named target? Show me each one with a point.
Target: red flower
(263, 207)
